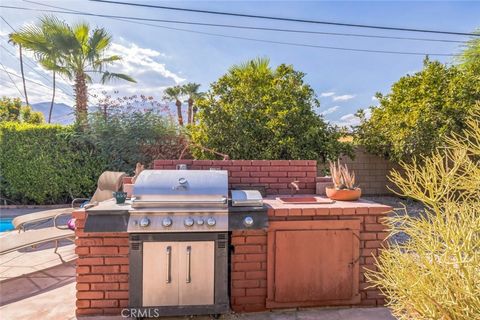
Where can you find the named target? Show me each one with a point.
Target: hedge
(44, 164)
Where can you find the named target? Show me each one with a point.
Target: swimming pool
(6, 224)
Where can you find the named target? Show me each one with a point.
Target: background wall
(371, 172)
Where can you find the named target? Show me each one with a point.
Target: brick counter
(249, 259)
(102, 270)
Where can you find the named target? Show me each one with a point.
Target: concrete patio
(40, 284)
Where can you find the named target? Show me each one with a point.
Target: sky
(163, 56)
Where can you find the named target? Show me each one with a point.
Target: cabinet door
(160, 273)
(196, 273)
(313, 263)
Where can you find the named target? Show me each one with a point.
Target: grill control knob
(188, 222)
(166, 222)
(144, 222)
(248, 221)
(200, 222)
(211, 222)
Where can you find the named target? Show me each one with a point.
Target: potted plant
(344, 188)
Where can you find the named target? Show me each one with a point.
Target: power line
(8, 73)
(265, 40)
(288, 19)
(34, 70)
(244, 27)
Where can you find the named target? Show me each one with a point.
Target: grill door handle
(169, 262)
(189, 253)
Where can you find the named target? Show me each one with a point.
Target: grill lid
(184, 188)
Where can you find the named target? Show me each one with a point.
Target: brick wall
(249, 260)
(371, 172)
(274, 175)
(102, 270)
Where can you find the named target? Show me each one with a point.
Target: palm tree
(81, 53)
(191, 90)
(39, 39)
(174, 94)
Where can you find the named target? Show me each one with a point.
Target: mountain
(61, 113)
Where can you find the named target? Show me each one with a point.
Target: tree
(257, 112)
(419, 112)
(40, 40)
(12, 110)
(191, 90)
(435, 273)
(175, 94)
(470, 56)
(81, 54)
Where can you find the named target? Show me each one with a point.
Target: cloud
(327, 94)
(374, 98)
(351, 120)
(330, 110)
(344, 97)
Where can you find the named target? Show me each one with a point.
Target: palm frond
(109, 76)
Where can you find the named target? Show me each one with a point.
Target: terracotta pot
(128, 188)
(127, 180)
(343, 194)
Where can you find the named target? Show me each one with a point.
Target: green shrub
(258, 112)
(436, 273)
(44, 164)
(420, 111)
(12, 110)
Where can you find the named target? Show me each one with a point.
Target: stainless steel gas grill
(178, 229)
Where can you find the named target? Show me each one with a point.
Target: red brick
(235, 168)
(278, 174)
(238, 292)
(113, 311)
(89, 242)
(238, 240)
(123, 286)
(368, 236)
(250, 299)
(256, 239)
(87, 312)
(89, 295)
(255, 275)
(268, 180)
(295, 212)
(251, 168)
(368, 252)
(374, 294)
(124, 269)
(370, 219)
(237, 275)
(373, 244)
(79, 214)
(116, 295)
(90, 278)
(247, 266)
(368, 302)
(116, 277)
(123, 250)
(374, 227)
(261, 162)
(105, 269)
(254, 307)
(382, 235)
(116, 260)
(246, 283)
(82, 251)
(104, 250)
(240, 174)
(81, 304)
(241, 162)
(115, 241)
(82, 286)
(281, 212)
(256, 292)
(83, 270)
(259, 174)
(123, 303)
(249, 180)
(104, 303)
(279, 162)
(104, 286)
(89, 261)
(260, 257)
(238, 257)
(248, 249)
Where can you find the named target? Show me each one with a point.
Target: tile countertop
(360, 207)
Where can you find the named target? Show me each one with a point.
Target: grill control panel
(178, 222)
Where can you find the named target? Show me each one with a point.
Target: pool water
(6, 224)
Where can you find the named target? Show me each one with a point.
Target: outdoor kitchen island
(309, 255)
